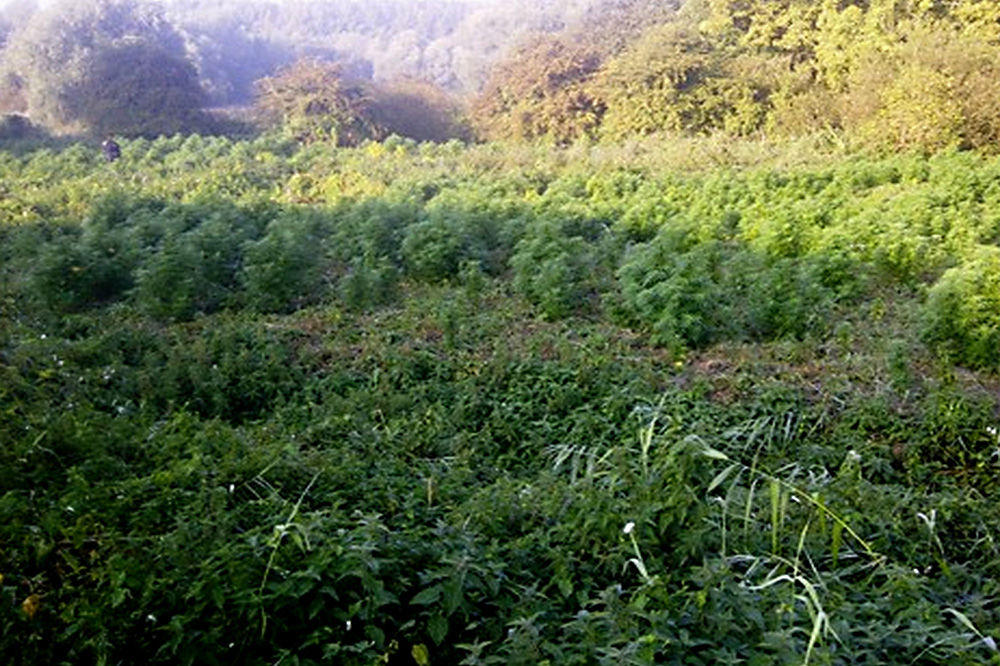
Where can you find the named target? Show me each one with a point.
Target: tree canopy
(911, 74)
(103, 65)
(543, 91)
(138, 89)
(312, 100)
(895, 74)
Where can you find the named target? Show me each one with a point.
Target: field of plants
(692, 403)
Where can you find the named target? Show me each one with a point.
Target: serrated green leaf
(452, 595)
(437, 628)
(565, 586)
(427, 597)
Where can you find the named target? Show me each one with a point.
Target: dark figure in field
(112, 151)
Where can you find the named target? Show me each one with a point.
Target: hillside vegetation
(886, 75)
(691, 402)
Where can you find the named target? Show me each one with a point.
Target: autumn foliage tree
(936, 88)
(918, 75)
(543, 91)
(312, 101)
(417, 110)
(911, 74)
(673, 79)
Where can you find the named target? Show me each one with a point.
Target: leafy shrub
(433, 249)
(236, 370)
(671, 290)
(71, 275)
(369, 282)
(558, 269)
(693, 296)
(93, 264)
(283, 271)
(418, 111)
(962, 312)
(442, 482)
(769, 299)
(456, 231)
(953, 437)
(931, 91)
(372, 227)
(195, 269)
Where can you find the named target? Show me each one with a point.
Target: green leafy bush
(93, 264)
(284, 270)
(559, 268)
(671, 290)
(372, 227)
(237, 369)
(695, 295)
(962, 312)
(72, 274)
(369, 282)
(456, 230)
(195, 266)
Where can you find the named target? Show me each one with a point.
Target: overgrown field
(408, 404)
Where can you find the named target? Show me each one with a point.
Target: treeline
(909, 74)
(893, 74)
(70, 65)
(451, 43)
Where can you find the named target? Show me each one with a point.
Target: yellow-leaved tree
(674, 79)
(312, 101)
(542, 91)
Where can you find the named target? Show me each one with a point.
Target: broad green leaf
(427, 597)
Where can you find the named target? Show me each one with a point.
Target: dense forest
(596, 332)
(911, 74)
(449, 44)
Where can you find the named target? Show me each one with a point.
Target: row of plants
(691, 259)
